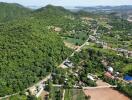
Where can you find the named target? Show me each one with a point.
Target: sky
(70, 2)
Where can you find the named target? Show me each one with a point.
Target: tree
(88, 97)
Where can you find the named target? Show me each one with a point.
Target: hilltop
(10, 11)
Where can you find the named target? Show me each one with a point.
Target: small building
(110, 69)
(124, 52)
(129, 53)
(116, 74)
(86, 18)
(92, 38)
(128, 78)
(121, 50)
(57, 29)
(109, 75)
(40, 87)
(90, 77)
(101, 44)
(54, 28)
(33, 90)
(68, 63)
(36, 90)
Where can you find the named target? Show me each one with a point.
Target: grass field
(74, 94)
(75, 41)
(92, 46)
(56, 93)
(82, 37)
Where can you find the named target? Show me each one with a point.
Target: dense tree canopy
(28, 51)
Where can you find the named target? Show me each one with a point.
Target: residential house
(109, 75)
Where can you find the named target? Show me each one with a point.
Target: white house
(90, 77)
(110, 69)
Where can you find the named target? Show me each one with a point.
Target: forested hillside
(12, 11)
(53, 15)
(28, 52)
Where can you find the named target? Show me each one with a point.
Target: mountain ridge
(10, 11)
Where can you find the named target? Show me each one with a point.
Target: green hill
(53, 15)
(28, 52)
(10, 11)
(52, 10)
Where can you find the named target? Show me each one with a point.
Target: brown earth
(105, 94)
(101, 83)
(43, 95)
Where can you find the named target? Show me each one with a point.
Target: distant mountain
(121, 11)
(53, 15)
(10, 11)
(107, 8)
(124, 9)
(50, 9)
(34, 7)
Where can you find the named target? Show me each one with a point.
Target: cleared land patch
(105, 94)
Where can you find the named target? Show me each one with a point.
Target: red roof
(109, 75)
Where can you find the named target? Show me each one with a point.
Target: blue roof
(128, 78)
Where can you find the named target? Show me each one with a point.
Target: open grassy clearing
(56, 93)
(78, 38)
(92, 46)
(74, 94)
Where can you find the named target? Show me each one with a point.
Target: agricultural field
(74, 94)
(56, 93)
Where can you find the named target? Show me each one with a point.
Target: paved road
(99, 87)
(43, 80)
(8, 96)
(63, 94)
